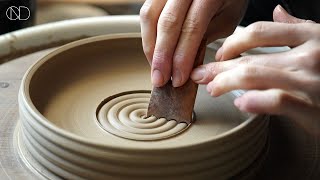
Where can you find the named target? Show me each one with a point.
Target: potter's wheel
(284, 135)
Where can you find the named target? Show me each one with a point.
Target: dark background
(261, 10)
(7, 25)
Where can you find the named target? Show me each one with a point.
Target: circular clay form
(82, 116)
(124, 115)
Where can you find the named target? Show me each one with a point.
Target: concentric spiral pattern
(124, 115)
(65, 132)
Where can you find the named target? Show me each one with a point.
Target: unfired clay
(125, 116)
(71, 129)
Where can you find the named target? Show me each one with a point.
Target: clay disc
(91, 94)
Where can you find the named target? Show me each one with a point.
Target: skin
(285, 83)
(172, 31)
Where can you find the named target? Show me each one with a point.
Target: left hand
(285, 83)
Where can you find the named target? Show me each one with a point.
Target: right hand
(284, 83)
(172, 31)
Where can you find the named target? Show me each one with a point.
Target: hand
(285, 83)
(172, 31)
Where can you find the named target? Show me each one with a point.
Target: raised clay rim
(32, 39)
(25, 97)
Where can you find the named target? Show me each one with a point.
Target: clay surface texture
(82, 116)
(124, 115)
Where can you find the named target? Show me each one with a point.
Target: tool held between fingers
(176, 103)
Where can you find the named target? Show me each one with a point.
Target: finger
(263, 34)
(206, 73)
(281, 15)
(149, 15)
(168, 31)
(252, 77)
(272, 101)
(280, 102)
(193, 29)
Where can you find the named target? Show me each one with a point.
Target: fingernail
(176, 79)
(198, 74)
(219, 54)
(237, 102)
(157, 78)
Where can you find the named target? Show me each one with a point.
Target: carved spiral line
(124, 115)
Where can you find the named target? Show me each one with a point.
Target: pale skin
(285, 83)
(172, 31)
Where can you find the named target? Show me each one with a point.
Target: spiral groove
(124, 115)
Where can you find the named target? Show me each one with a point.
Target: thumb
(281, 15)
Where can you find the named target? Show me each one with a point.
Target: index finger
(193, 30)
(264, 34)
(168, 31)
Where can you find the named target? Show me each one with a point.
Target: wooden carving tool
(176, 103)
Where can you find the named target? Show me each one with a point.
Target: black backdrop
(7, 25)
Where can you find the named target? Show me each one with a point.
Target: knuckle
(179, 58)
(310, 59)
(230, 44)
(145, 12)
(245, 60)
(168, 22)
(247, 72)
(159, 58)
(219, 79)
(309, 21)
(157, 64)
(213, 68)
(256, 29)
(191, 26)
